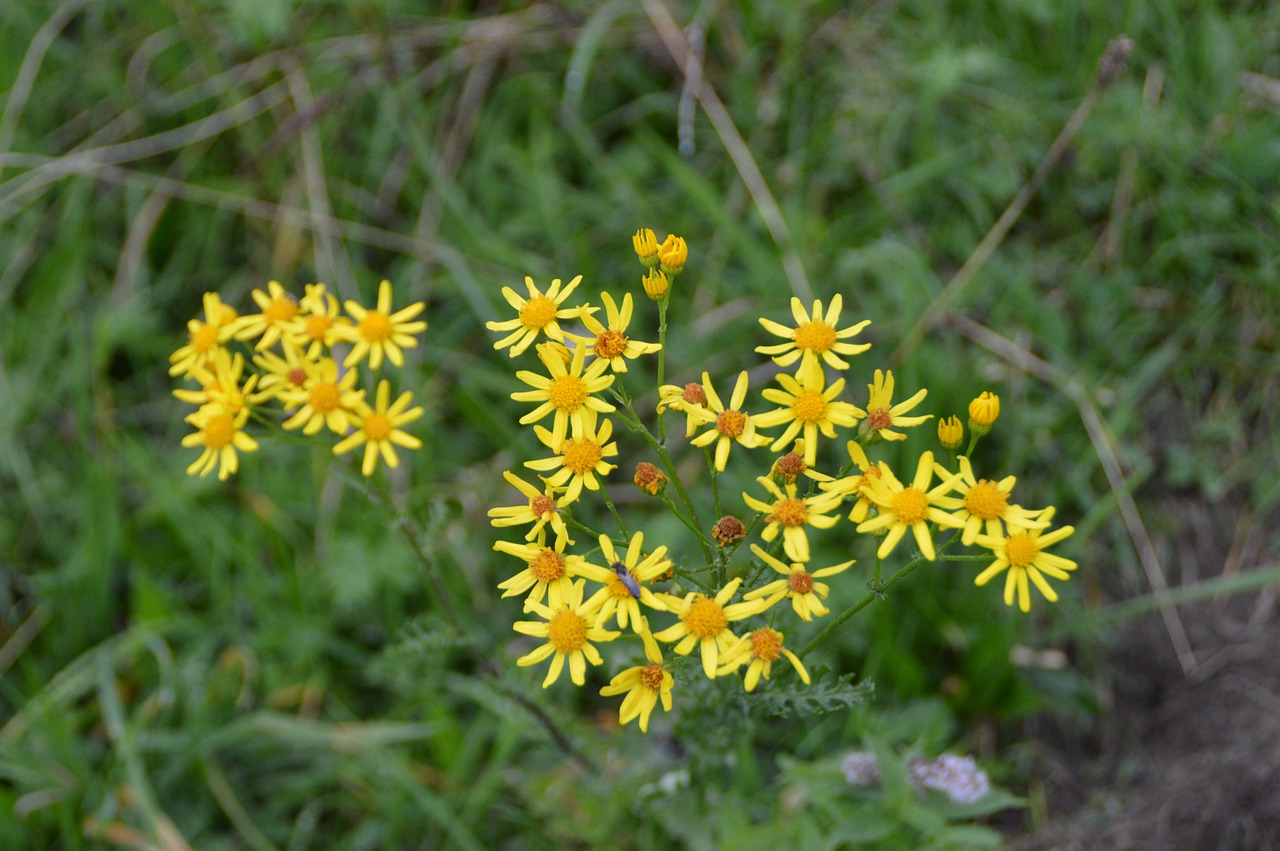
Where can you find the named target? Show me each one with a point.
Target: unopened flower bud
(950, 432)
(649, 478)
(655, 285)
(983, 412)
(673, 253)
(728, 529)
(646, 245)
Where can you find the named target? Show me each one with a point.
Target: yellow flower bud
(673, 253)
(983, 412)
(646, 245)
(655, 285)
(950, 432)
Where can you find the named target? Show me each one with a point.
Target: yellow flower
(798, 584)
(626, 575)
(672, 254)
(902, 508)
(567, 391)
(855, 485)
(655, 285)
(611, 344)
(317, 326)
(548, 571)
(644, 686)
(881, 414)
(983, 501)
(730, 424)
(277, 307)
(691, 398)
(1023, 554)
(983, 412)
(219, 379)
(569, 630)
(950, 432)
(280, 375)
(579, 458)
(763, 647)
(808, 406)
(537, 315)
(704, 622)
(324, 398)
(814, 336)
(646, 246)
(220, 434)
(543, 507)
(790, 514)
(379, 331)
(378, 428)
(204, 338)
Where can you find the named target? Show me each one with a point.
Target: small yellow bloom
(536, 315)
(317, 327)
(690, 398)
(704, 622)
(646, 246)
(566, 391)
(580, 458)
(985, 502)
(380, 332)
(672, 254)
(542, 507)
(618, 596)
(655, 284)
(569, 630)
(882, 415)
(855, 485)
(790, 514)
(644, 686)
(806, 594)
(323, 399)
(808, 407)
(548, 571)
(983, 412)
(731, 425)
(902, 508)
(1023, 553)
(219, 379)
(814, 336)
(277, 308)
(762, 647)
(378, 428)
(220, 434)
(281, 375)
(204, 338)
(950, 432)
(611, 343)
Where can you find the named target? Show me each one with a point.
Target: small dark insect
(625, 577)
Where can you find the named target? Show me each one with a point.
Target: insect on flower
(625, 577)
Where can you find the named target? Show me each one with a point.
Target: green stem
(662, 363)
(715, 480)
(626, 536)
(861, 604)
(875, 582)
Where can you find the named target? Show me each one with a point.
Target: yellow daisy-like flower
(537, 314)
(611, 343)
(808, 406)
(902, 508)
(985, 502)
(882, 415)
(814, 336)
(730, 424)
(1023, 554)
(790, 514)
(704, 622)
(219, 381)
(380, 332)
(280, 375)
(806, 594)
(646, 245)
(542, 508)
(277, 307)
(204, 338)
(624, 582)
(691, 398)
(323, 399)
(855, 485)
(220, 434)
(644, 686)
(378, 428)
(566, 391)
(569, 630)
(548, 571)
(762, 647)
(579, 458)
(318, 325)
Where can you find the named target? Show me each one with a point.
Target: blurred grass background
(267, 664)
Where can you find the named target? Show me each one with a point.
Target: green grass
(268, 664)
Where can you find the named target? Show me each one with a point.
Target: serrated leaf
(827, 693)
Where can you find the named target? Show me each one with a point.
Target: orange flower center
(610, 344)
(376, 327)
(816, 337)
(809, 407)
(789, 512)
(376, 427)
(617, 589)
(731, 423)
(706, 618)
(910, 505)
(542, 505)
(547, 566)
(580, 455)
(538, 312)
(567, 631)
(985, 500)
(651, 676)
(879, 418)
(567, 393)
(694, 394)
(324, 397)
(280, 310)
(204, 339)
(318, 325)
(766, 644)
(296, 376)
(218, 431)
(1021, 549)
(801, 581)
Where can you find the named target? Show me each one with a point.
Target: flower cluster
(712, 600)
(307, 355)
(957, 777)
